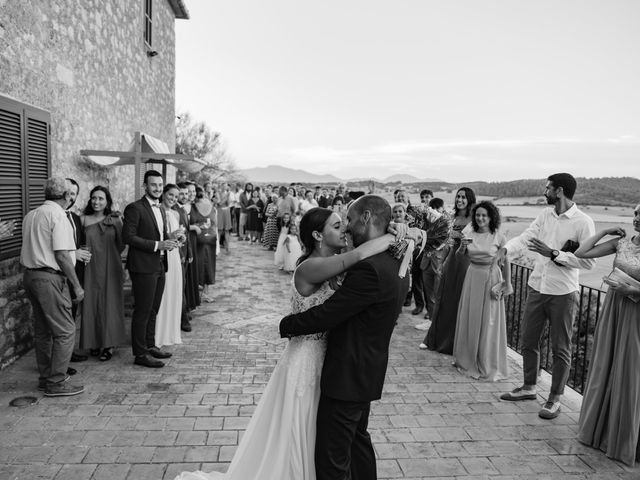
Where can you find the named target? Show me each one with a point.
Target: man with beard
(553, 287)
(83, 256)
(145, 231)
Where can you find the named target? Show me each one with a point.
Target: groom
(361, 316)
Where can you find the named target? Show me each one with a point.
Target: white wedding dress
(280, 439)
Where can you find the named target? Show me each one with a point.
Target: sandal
(107, 353)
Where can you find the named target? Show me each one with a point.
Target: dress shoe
(76, 357)
(155, 352)
(417, 311)
(71, 371)
(407, 303)
(147, 361)
(185, 327)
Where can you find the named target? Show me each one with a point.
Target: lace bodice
(304, 355)
(628, 258)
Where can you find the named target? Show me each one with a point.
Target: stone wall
(85, 62)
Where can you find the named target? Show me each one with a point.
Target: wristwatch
(554, 254)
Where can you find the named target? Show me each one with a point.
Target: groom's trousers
(343, 445)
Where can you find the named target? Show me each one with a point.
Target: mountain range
(280, 174)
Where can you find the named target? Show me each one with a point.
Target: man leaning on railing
(553, 287)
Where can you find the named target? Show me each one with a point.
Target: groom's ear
(365, 216)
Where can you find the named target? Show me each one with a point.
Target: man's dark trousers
(147, 294)
(342, 431)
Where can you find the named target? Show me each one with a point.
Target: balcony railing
(590, 302)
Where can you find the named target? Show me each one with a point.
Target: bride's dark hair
(312, 221)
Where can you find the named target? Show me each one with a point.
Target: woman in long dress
(480, 345)
(610, 414)
(102, 325)
(224, 217)
(279, 441)
(255, 207)
(204, 215)
(442, 331)
(271, 231)
(170, 311)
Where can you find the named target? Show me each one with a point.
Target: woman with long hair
(203, 214)
(609, 417)
(480, 345)
(279, 441)
(443, 324)
(102, 324)
(170, 311)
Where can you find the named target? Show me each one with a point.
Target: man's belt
(47, 270)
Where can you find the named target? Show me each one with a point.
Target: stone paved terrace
(138, 423)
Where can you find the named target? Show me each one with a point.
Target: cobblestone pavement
(138, 423)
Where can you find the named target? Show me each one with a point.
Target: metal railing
(589, 305)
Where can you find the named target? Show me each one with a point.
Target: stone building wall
(85, 62)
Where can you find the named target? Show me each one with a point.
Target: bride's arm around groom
(360, 316)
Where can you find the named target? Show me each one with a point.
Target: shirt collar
(151, 201)
(51, 202)
(569, 213)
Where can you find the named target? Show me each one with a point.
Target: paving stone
(76, 472)
(111, 472)
(146, 472)
(169, 454)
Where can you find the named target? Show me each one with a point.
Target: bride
(279, 441)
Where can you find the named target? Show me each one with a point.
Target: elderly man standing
(48, 255)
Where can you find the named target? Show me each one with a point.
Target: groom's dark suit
(361, 316)
(147, 266)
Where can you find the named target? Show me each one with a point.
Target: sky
(456, 90)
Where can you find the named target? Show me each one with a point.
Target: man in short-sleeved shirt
(48, 255)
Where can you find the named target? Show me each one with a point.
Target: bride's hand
(399, 230)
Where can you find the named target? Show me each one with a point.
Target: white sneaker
(422, 346)
(549, 410)
(518, 394)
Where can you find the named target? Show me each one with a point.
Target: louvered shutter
(24, 165)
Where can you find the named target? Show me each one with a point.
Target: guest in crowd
(224, 217)
(431, 267)
(337, 205)
(443, 322)
(271, 232)
(553, 287)
(192, 282)
(609, 418)
(102, 326)
(255, 207)
(170, 311)
(83, 255)
(186, 254)
(308, 202)
(234, 207)
(480, 345)
(292, 248)
(286, 203)
(399, 213)
(48, 257)
(145, 231)
(245, 198)
(204, 216)
(278, 256)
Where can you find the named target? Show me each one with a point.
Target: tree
(198, 140)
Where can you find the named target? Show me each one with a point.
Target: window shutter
(24, 165)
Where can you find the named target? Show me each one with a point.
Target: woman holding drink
(102, 324)
(169, 313)
(203, 214)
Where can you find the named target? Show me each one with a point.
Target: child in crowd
(278, 256)
(399, 213)
(292, 248)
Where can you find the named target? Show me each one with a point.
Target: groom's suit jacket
(141, 232)
(360, 316)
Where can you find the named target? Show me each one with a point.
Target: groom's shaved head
(378, 207)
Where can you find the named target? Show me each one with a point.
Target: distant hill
(279, 174)
(409, 179)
